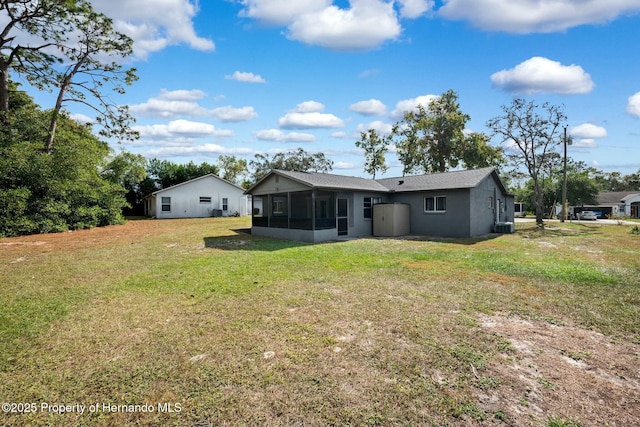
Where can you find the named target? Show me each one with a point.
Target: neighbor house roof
(437, 181)
(615, 197)
(210, 175)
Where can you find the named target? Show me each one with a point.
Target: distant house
(316, 207)
(208, 195)
(616, 203)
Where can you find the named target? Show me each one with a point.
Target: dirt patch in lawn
(562, 372)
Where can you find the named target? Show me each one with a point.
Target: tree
(130, 171)
(233, 168)
(97, 39)
(298, 160)
(478, 153)
(375, 148)
(531, 132)
(62, 190)
(432, 139)
(166, 173)
(45, 20)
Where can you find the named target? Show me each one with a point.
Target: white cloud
(538, 75)
(588, 130)
(367, 24)
(364, 24)
(585, 143)
(82, 119)
(195, 150)
(309, 115)
(231, 114)
(309, 121)
(280, 136)
(541, 16)
(154, 25)
(339, 135)
(172, 104)
(246, 77)
(414, 8)
(281, 12)
(345, 165)
(633, 105)
(379, 126)
(181, 128)
(309, 107)
(411, 105)
(372, 107)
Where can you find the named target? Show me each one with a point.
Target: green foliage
(432, 139)
(234, 168)
(375, 147)
(298, 160)
(48, 192)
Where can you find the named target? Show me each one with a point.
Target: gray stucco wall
(454, 222)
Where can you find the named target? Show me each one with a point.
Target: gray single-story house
(317, 207)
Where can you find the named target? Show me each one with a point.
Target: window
(435, 204)
(368, 206)
(166, 204)
(205, 199)
(490, 202)
(225, 204)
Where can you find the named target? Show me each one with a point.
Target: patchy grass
(229, 329)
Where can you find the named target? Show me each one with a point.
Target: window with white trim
(166, 204)
(204, 199)
(225, 204)
(435, 204)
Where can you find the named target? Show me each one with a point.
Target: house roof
(437, 181)
(327, 180)
(210, 175)
(615, 197)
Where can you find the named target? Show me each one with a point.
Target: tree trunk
(538, 202)
(4, 86)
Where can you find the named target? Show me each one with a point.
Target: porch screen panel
(301, 211)
(279, 211)
(325, 210)
(259, 217)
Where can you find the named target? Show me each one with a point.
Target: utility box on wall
(391, 219)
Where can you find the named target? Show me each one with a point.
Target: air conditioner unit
(504, 227)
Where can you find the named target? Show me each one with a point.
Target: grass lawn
(196, 323)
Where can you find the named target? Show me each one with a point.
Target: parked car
(591, 215)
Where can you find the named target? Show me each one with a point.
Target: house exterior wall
(185, 199)
(278, 184)
(454, 222)
(489, 205)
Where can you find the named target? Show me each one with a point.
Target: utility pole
(565, 206)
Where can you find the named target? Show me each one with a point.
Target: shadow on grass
(242, 240)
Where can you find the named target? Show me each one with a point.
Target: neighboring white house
(208, 195)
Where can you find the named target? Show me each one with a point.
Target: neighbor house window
(435, 204)
(368, 206)
(205, 199)
(225, 204)
(166, 204)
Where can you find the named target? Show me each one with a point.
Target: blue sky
(240, 77)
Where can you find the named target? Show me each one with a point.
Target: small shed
(391, 219)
